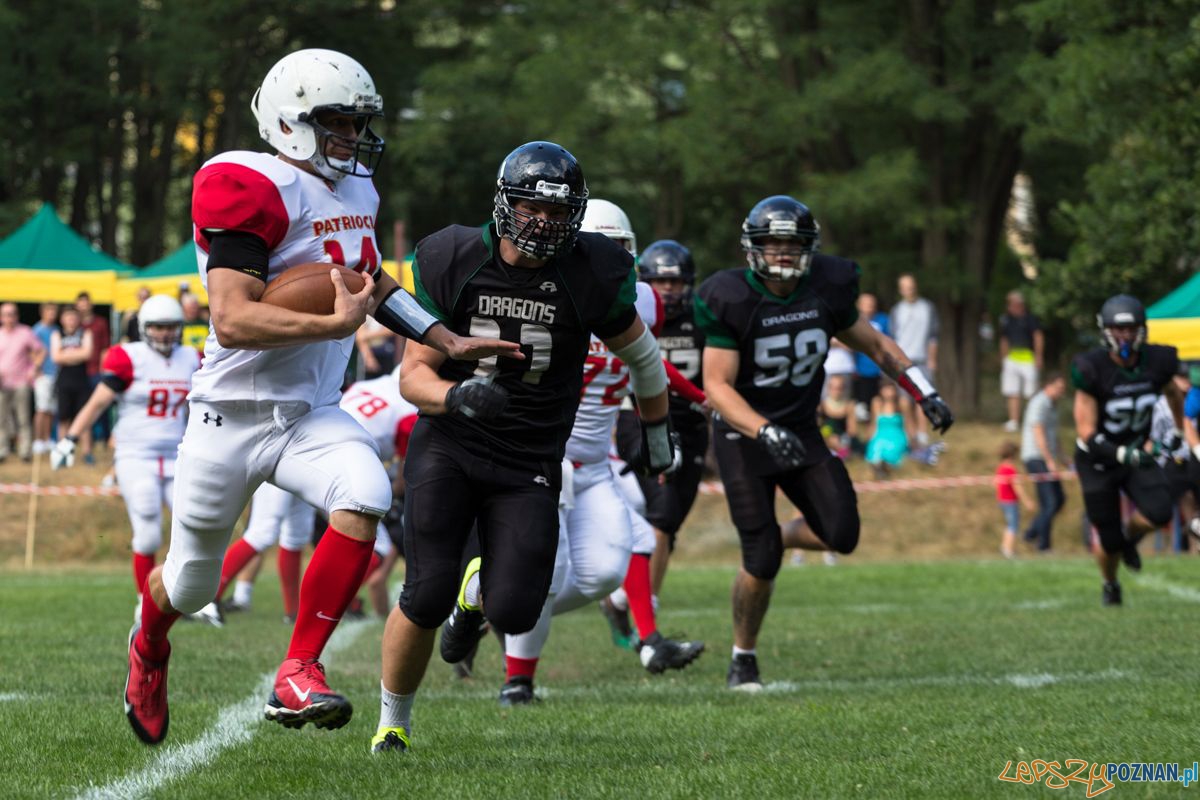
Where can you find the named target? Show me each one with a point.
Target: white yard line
(235, 725)
(12, 697)
(1174, 589)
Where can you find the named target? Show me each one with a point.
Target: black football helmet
(779, 217)
(667, 259)
(547, 173)
(1122, 311)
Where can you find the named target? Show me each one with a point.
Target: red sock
(514, 667)
(289, 579)
(151, 640)
(142, 565)
(641, 603)
(333, 577)
(237, 556)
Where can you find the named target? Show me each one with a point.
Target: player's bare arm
(720, 373)
(653, 407)
(241, 322)
(419, 380)
(102, 397)
(398, 311)
(884, 351)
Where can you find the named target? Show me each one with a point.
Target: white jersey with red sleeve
(605, 385)
(389, 418)
(152, 397)
(303, 219)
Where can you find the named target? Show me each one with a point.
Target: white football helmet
(161, 309)
(604, 217)
(305, 83)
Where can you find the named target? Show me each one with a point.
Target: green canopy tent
(164, 276)
(1175, 319)
(46, 261)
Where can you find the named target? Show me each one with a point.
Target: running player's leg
(141, 488)
(329, 461)
(668, 507)
(600, 536)
(1102, 502)
(295, 531)
(825, 496)
(268, 508)
(1150, 490)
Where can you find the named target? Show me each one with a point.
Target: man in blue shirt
(866, 371)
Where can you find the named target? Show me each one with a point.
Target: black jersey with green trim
(781, 341)
(1125, 397)
(681, 342)
(551, 311)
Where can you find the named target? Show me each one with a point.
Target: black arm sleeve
(401, 313)
(238, 250)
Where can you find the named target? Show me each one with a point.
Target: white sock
(395, 710)
(471, 595)
(737, 651)
(243, 591)
(619, 599)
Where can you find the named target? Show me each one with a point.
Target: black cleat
(518, 691)
(461, 634)
(466, 668)
(1111, 595)
(664, 654)
(1131, 557)
(743, 673)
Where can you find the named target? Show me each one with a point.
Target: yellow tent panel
(55, 285)
(1183, 333)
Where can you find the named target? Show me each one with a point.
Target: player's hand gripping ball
(308, 288)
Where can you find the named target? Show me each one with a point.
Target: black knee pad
(762, 551)
(844, 537)
(427, 611)
(512, 618)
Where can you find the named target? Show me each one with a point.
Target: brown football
(309, 288)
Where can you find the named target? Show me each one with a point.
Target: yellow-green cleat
(466, 625)
(389, 740)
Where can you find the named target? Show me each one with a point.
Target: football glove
(784, 447)
(63, 454)
(1135, 457)
(913, 381)
(477, 398)
(659, 451)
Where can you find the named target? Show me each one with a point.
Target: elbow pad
(401, 313)
(647, 375)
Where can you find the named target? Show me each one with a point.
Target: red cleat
(301, 695)
(146, 694)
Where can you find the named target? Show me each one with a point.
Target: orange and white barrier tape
(918, 484)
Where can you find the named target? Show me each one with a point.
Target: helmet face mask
(306, 85)
(1122, 323)
(668, 266)
(780, 228)
(540, 173)
(163, 313)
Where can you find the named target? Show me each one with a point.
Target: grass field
(885, 680)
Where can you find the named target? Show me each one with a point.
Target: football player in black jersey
(1116, 388)
(767, 334)
(487, 447)
(668, 267)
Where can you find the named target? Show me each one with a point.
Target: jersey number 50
(1128, 413)
(780, 357)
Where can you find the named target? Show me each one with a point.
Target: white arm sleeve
(647, 375)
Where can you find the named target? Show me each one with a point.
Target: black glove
(478, 398)
(1133, 456)
(658, 452)
(937, 412)
(784, 446)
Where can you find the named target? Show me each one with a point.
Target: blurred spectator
(45, 403)
(1191, 429)
(101, 341)
(915, 328)
(71, 347)
(867, 372)
(21, 355)
(1042, 455)
(1022, 344)
(839, 360)
(1008, 493)
(132, 334)
(889, 440)
(836, 416)
(195, 325)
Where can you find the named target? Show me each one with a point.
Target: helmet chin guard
(541, 172)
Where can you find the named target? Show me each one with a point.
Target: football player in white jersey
(149, 381)
(283, 517)
(264, 404)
